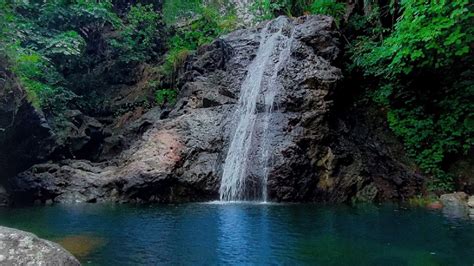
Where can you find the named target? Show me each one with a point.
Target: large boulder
(470, 204)
(455, 205)
(23, 248)
(316, 152)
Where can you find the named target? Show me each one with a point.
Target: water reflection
(233, 238)
(210, 234)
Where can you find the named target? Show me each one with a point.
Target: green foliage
(426, 35)
(195, 23)
(42, 82)
(422, 200)
(420, 70)
(268, 9)
(163, 96)
(42, 38)
(139, 38)
(57, 47)
(174, 10)
(81, 15)
(175, 58)
(33, 70)
(180, 11)
(62, 48)
(330, 8)
(207, 25)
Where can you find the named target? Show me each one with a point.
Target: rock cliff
(318, 152)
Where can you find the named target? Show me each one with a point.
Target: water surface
(198, 234)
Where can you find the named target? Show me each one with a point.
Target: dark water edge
(262, 234)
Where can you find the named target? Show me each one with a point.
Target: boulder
(470, 202)
(23, 248)
(67, 181)
(455, 205)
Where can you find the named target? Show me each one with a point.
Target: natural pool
(209, 234)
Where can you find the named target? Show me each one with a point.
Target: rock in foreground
(23, 248)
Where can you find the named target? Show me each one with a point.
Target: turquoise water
(210, 234)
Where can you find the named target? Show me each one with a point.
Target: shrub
(42, 38)
(268, 9)
(330, 8)
(139, 40)
(174, 10)
(419, 69)
(163, 96)
(207, 25)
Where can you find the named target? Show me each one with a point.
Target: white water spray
(272, 45)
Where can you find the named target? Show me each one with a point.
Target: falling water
(274, 87)
(273, 44)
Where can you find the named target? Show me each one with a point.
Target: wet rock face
(23, 248)
(316, 155)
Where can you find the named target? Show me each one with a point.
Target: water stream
(261, 81)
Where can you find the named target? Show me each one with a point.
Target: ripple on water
(215, 233)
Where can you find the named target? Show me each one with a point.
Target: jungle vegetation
(411, 58)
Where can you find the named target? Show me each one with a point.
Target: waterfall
(262, 77)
